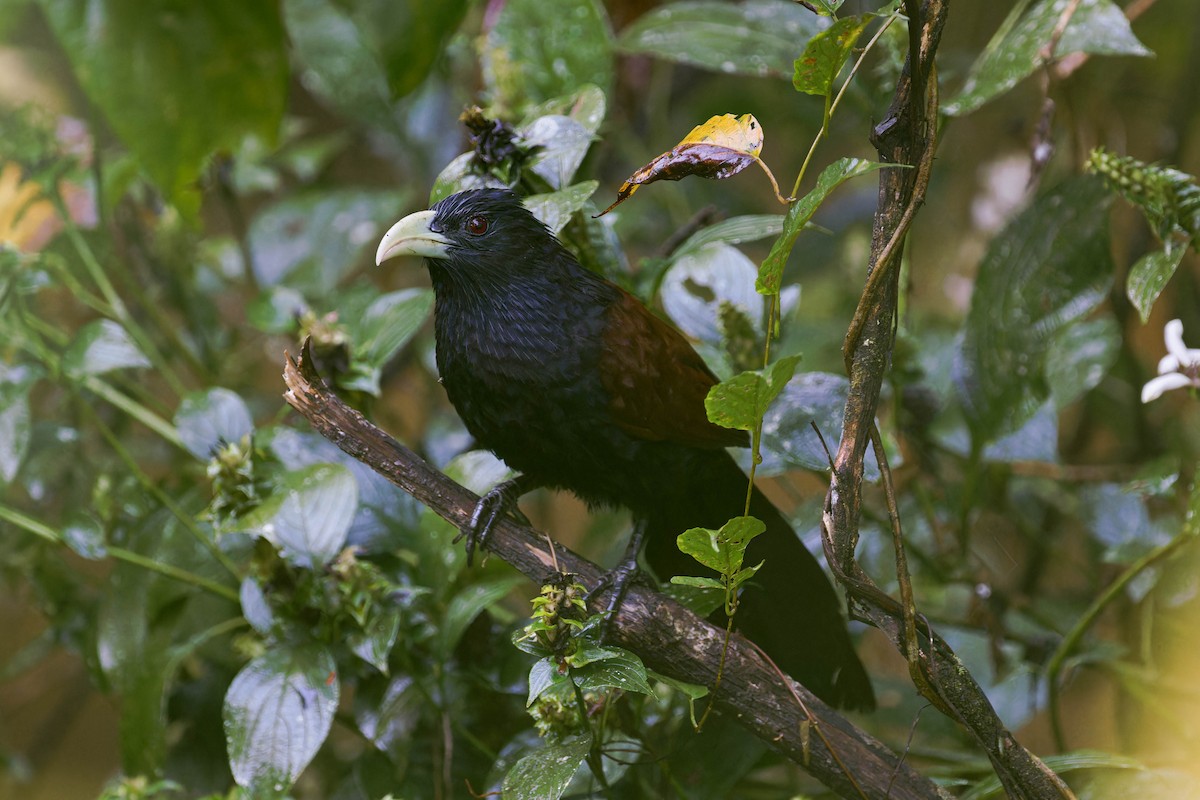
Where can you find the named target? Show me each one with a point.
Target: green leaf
(544, 676)
(374, 643)
(533, 55)
(84, 535)
(756, 37)
(562, 143)
(741, 401)
(465, 606)
(698, 283)
(16, 428)
(177, 81)
(788, 439)
(101, 346)
(1050, 266)
(255, 608)
(1079, 357)
(386, 325)
(554, 209)
(310, 241)
(1119, 521)
(308, 514)
(458, 176)
(338, 63)
(1149, 276)
(1097, 27)
(586, 106)
(277, 713)
(697, 583)
(735, 230)
(770, 274)
(721, 550)
(545, 773)
(623, 671)
(817, 68)
(207, 420)
(387, 713)
(407, 38)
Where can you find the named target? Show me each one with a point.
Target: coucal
(577, 385)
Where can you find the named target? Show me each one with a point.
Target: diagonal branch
(908, 136)
(668, 637)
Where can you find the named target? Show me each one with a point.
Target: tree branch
(668, 637)
(908, 136)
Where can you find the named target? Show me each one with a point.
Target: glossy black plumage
(575, 384)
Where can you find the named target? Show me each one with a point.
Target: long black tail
(790, 608)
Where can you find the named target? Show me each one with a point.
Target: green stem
(1085, 622)
(96, 272)
(171, 571)
(832, 105)
(186, 519)
(134, 409)
(44, 531)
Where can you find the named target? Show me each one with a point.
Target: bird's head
(482, 233)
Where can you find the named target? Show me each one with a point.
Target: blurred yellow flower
(27, 220)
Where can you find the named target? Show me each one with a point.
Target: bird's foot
(499, 501)
(618, 580)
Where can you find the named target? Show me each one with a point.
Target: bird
(576, 385)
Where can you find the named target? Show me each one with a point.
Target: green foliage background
(189, 189)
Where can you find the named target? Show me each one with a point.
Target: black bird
(577, 385)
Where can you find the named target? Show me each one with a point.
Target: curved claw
(501, 500)
(619, 578)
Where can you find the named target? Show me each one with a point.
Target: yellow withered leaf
(719, 148)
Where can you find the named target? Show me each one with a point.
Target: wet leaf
(1098, 27)
(336, 62)
(536, 52)
(386, 325)
(311, 240)
(1080, 356)
(825, 54)
(208, 420)
(788, 440)
(719, 148)
(561, 142)
(101, 346)
(1149, 276)
(1051, 265)
(624, 671)
(278, 711)
(735, 230)
(308, 514)
(545, 773)
(757, 38)
(770, 274)
(697, 283)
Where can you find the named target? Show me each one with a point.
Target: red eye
(477, 226)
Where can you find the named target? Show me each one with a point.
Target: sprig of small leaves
(1170, 201)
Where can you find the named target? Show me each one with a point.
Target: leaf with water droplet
(278, 711)
(545, 773)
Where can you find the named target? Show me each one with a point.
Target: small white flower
(1180, 367)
